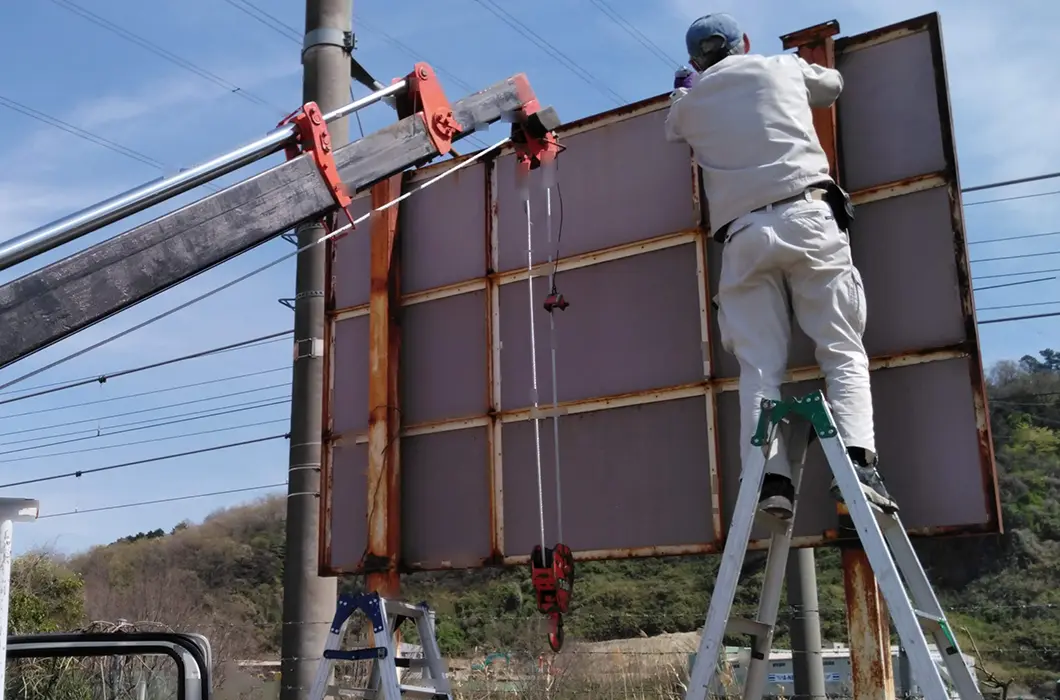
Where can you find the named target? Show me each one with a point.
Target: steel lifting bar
(73, 226)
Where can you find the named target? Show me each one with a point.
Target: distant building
(780, 680)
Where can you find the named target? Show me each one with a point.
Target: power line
(149, 460)
(140, 411)
(81, 133)
(997, 275)
(183, 419)
(1017, 306)
(152, 392)
(551, 50)
(1011, 199)
(268, 20)
(1006, 183)
(158, 501)
(163, 53)
(1018, 318)
(1015, 238)
(1016, 257)
(102, 378)
(1013, 284)
(613, 14)
(150, 441)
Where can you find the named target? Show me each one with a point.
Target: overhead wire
(140, 411)
(551, 50)
(160, 501)
(195, 415)
(1006, 183)
(154, 48)
(1013, 198)
(1013, 284)
(149, 441)
(101, 378)
(1015, 238)
(137, 462)
(611, 13)
(140, 394)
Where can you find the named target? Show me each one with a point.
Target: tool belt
(831, 193)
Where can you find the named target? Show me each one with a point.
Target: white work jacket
(748, 121)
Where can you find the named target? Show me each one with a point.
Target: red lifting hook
(553, 579)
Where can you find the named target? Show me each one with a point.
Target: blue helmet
(711, 38)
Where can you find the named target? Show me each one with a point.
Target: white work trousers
(786, 258)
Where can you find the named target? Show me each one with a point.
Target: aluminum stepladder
(385, 616)
(882, 535)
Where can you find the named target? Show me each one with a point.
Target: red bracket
(312, 137)
(424, 95)
(533, 129)
(553, 579)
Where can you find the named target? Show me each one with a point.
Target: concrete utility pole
(806, 658)
(308, 599)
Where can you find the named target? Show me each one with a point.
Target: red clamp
(555, 300)
(312, 137)
(424, 95)
(533, 129)
(553, 579)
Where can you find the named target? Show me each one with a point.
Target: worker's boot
(871, 482)
(777, 496)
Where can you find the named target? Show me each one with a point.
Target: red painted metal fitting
(552, 573)
(312, 137)
(424, 96)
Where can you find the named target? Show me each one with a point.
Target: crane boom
(49, 304)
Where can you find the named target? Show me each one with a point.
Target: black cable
(149, 460)
(157, 501)
(1018, 318)
(1013, 284)
(1016, 306)
(1005, 183)
(656, 50)
(1015, 238)
(268, 20)
(551, 50)
(1017, 257)
(1016, 274)
(103, 378)
(134, 428)
(150, 441)
(1012, 199)
(163, 53)
(139, 411)
(152, 392)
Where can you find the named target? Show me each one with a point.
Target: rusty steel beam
(870, 652)
(384, 468)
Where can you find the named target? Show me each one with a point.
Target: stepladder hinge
(810, 408)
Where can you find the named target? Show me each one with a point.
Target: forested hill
(223, 577)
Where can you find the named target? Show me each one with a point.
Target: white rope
(533, 371)
(555, 393)
(277, 261)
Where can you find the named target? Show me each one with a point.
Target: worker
(782, 222)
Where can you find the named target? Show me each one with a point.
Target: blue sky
(1004, 88)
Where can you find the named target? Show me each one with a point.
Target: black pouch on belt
(842, 207)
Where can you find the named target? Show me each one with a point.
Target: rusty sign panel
(649, 428)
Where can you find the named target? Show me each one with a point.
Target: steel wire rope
(552, 339)
(337, 232)
(140, 394)
(101, 378)
(533, 373)
(149, 441)
(189, 402)
(132, 427)
(166, 54)
(137, 462)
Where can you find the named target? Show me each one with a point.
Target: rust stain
(492, 400)
(383, 483)
(868, 630)
(906, 185)
(324, 538)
